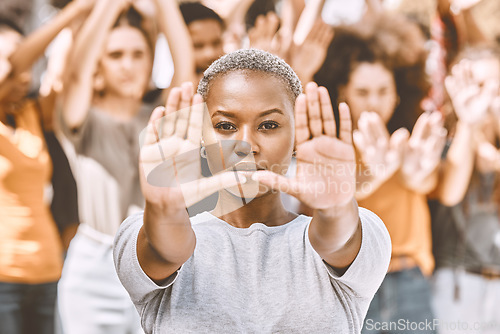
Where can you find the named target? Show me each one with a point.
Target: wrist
(336, 211)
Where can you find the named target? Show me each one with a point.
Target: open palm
(170, 154)
(326, 164)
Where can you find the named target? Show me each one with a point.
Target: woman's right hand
(170, 154)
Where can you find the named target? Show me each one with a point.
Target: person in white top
(250, 266)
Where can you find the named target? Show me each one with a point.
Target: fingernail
(255, 177)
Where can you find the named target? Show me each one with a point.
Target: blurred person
(30, 247)
(250, 265)
(101, 114)
(206, 29)
(466, 224)
(378, 68)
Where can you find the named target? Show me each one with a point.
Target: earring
(203, 152)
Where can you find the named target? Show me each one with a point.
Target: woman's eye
(269, 125)
(225, 126)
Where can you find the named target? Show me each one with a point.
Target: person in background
(102, 114)
(466, 224)
(378, 68)
(206, 29)
(30, 246)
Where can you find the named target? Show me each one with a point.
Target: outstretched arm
(335, 231)
(171, 181)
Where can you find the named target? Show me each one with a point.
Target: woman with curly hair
(378, 68)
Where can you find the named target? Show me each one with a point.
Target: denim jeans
(27, 308)
(401, 305)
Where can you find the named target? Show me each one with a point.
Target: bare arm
(335, 234)
(181, 47)
(83, 61)
(458, 166)
(36, 43)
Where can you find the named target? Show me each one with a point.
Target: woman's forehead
(255, 87)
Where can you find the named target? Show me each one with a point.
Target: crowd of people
(407, 112)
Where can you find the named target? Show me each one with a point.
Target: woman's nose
(246, 144)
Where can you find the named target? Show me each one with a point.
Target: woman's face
(371, 87)
(126, 64)
(252, 116)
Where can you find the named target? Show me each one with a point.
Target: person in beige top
(101, 116)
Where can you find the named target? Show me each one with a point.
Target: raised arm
(35, 44)
(84, 59)
(471, 100)
(181, 47)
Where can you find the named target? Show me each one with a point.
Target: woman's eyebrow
(271, 111)
(230, 114)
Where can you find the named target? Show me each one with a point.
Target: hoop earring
(203, 152)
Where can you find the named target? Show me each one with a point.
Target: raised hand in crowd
(473, 87)
(423, 152)
(470, 95)
(264, 36)
(307, 58)
(381, 153)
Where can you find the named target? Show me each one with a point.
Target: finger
(313, 34)
(196, 120)
(171, 108)
(345, 129)
(397, 144)
(313, 109)
(364, 127)
(272, 24)
(370, 128)
(379, 128)
(301, 127)
(359, 141)
(327, 36)
(278, 182)
(327, 112)
(398, 141)
(182, 122)
(197, 190)
(421, 128)
(150, 133)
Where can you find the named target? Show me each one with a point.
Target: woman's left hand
(326, 165)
